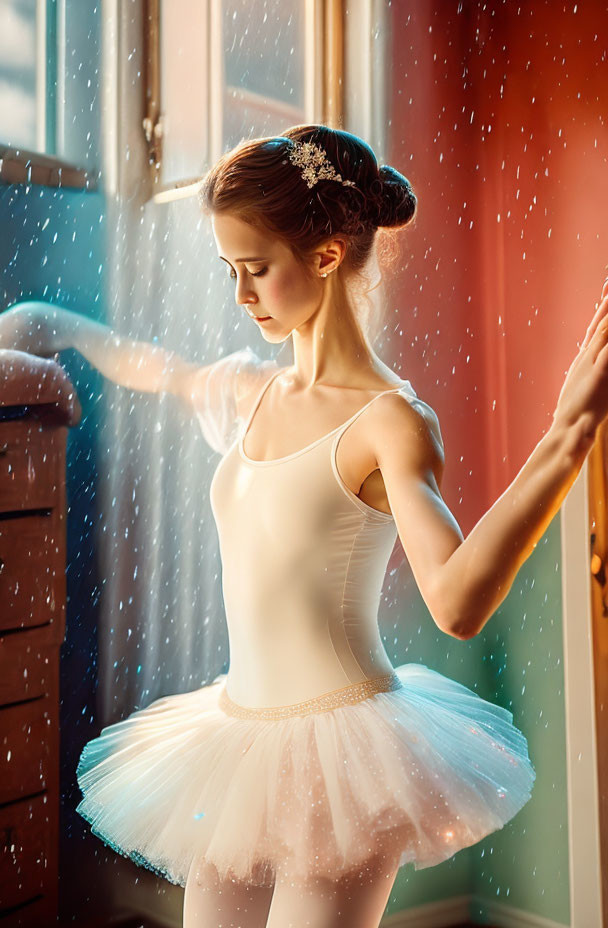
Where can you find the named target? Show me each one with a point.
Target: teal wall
(526, 865)
(517, 662)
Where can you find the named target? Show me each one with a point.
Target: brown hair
(256, 181)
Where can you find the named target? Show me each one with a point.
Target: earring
(324, 275)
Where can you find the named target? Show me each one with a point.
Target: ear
(330, 255)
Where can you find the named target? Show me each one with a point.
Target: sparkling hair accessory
(315, 163)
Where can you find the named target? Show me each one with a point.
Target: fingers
(601, 312)
(601, 355)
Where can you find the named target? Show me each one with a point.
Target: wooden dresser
(37, 404)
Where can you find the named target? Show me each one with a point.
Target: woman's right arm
(214, 392)
(44, 329)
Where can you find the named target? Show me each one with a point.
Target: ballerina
(289, 791)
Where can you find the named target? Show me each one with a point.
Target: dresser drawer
(30, 460)
(26, 743)
(27, 670)
(24, 852)
(31, 913)
(32, 572)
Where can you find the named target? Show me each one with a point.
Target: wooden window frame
(324, 88)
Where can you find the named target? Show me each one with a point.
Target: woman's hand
(33, 327)
(583, 399)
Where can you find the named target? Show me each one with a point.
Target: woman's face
(269, 283)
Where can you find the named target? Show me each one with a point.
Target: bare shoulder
(405, 436)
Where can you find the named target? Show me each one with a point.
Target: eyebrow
(242, 260)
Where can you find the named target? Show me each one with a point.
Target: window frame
(26, 166)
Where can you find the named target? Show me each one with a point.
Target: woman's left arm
(464, 580)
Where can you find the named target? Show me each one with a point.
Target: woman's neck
(330, 349)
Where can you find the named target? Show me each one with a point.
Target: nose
(243, 295)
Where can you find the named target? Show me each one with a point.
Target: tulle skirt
(412, 773)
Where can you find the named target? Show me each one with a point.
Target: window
(241, 68)
(32, 80)
(22, 75)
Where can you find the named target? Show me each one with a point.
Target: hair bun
(392, 202)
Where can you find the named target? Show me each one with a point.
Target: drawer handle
(4, 448)
(1, 565)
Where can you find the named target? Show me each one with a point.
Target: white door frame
(581, 744)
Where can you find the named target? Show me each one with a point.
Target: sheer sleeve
(428, 414)
(217, 390)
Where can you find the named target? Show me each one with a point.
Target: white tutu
(410, 775)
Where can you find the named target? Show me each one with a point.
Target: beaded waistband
(346, 695)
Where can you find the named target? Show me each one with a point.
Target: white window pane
(18, 73)
(236, 71)
(264, 61)
(184, 87)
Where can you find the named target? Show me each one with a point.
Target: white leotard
(303, 562)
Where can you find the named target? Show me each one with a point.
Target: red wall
(499, 121)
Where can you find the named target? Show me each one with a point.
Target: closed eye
(232, 273)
